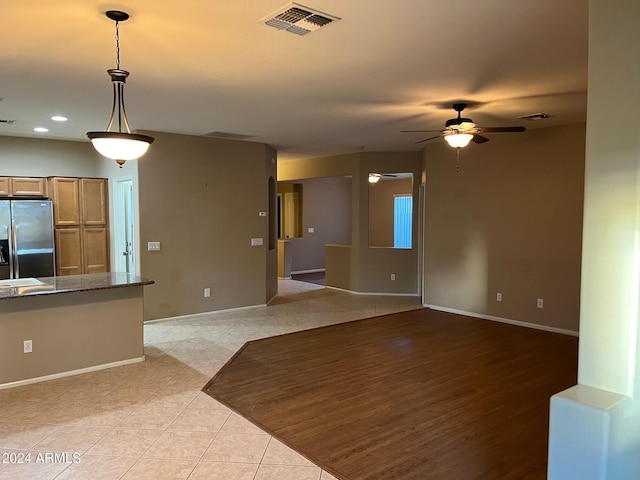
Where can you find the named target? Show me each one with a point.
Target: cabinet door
(93, 201)
(28, 186)
(95, 249)
(4, 186)
(66, 209)
(68, 251)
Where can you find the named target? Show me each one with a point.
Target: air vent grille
(535, 116)
(7, 122)
(227, 135)
(298, 19)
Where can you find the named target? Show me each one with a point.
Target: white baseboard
(203, 314)
(536, 326)
(70, 373)
(314, 270)
(374, 294)
(284, 278)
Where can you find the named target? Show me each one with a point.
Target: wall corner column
(595, 426)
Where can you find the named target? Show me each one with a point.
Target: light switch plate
(256, 242)
(262, 214)
(311, 230)
(153, 246)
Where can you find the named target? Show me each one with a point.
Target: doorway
(123, 228)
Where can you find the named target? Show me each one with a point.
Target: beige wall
(510, 221)
(371, 268)
(326, 209)
(332, 166)
(271, 258)
(70, 331)
(381, 208)
(43, 158)
(201, 198)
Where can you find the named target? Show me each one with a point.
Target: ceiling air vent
(298, 19)
(226, 135)
(535, 116)
(7, 122)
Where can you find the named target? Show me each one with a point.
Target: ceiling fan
(458, 132)
(375, 177)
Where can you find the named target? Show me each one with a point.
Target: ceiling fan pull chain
(458, 160)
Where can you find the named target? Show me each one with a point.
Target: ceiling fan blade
(419, 131)
(427, 139)
(479, 139)
(500, 129)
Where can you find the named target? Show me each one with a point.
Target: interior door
(124, 225)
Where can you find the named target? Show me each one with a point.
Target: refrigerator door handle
(10, 253)
(16, 262)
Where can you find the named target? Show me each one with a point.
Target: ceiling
(198, 67)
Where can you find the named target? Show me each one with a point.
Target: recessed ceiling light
(40, 129)
(59, 118)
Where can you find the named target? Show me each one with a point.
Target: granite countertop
(74, 283)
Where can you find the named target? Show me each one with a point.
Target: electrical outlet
(393, 276)
(28, 346)
(499, 297)
(540, 303)
(207, 292)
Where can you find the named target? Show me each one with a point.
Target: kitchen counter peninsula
(76, 324)
(72, 283)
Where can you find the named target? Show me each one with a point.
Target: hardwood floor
(419, 395)
(317, 278)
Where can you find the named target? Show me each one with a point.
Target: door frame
(117, 184)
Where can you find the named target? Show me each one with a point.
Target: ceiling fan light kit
(458, 140)
(121, 145)
(459, 131)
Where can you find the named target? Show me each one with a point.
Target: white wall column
(595, 426)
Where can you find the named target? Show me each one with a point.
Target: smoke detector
(298, 19)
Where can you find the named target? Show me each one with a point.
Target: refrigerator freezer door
(5, 233)
(32, 233)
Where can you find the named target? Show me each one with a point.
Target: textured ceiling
(384, 67)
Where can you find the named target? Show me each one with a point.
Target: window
(402, 209)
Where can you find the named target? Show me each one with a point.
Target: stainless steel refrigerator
(26, 239)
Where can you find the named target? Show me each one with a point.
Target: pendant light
(118, 145)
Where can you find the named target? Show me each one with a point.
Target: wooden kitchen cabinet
(95, 250)
(4, 186)
(68, 251)
(28, 187)
(81, 218)
(65, 193)
(93, 201)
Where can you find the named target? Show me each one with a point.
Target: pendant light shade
(458, 140)
(121, 145)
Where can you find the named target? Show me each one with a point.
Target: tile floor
(150, 420)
